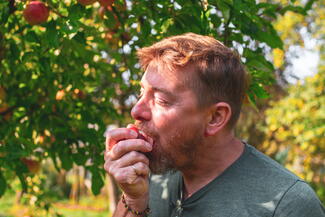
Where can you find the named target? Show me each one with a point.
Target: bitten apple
(140, 136)
(36, 13)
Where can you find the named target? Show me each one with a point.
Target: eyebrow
(161, 90)
(164, 91)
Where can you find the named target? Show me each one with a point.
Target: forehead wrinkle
(168, 81)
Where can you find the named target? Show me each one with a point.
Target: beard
(175, 152)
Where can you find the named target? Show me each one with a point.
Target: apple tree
(68, 69)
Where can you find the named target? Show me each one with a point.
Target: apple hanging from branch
(36, 12)
(32, 165)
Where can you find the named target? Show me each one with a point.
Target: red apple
(36, 13)
(86, 2)
(32, 165)
(140, 136)
(106, 3)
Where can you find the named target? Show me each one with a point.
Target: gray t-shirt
(253, 186)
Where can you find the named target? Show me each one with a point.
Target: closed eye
(162, 102)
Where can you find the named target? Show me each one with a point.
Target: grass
(89, 206)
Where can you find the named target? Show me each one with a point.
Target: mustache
(146, 129)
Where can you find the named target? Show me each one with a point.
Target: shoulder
(259, 162)
(299, 201)
(284, 194)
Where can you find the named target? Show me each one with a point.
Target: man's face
(167, 111)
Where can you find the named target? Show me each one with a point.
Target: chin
(160, 162)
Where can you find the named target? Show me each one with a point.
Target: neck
(211, 162)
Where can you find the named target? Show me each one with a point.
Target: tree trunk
(75, 188)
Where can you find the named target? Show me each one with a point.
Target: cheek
(165, 120)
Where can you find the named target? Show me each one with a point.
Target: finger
(131, 174)
(108, 166)
(106, 155)
(131, 158)
(129, 145)
(115, 135)
(126, 160)
(126, 175)
(141, 169)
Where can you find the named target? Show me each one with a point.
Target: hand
(125, 161)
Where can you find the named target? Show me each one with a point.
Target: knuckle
(142, 166)
(106, 156)
(120, 176)
(107, 168)
(110, 170)
(116, 148)
(145, 160)
(134, 154)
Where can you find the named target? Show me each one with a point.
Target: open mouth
(146, 137)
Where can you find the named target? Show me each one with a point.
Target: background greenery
(62, 83)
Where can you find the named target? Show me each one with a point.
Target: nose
(141, 111)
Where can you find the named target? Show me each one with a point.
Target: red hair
(220, 76)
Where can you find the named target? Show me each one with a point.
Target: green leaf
(259, 91)
(22, 180)
(271, 37)
(97, 181)
(166, 24)
(66, 160)
(215, 20)
(251, 99)
(309, 4)
(296, 9)
(45, 64)
(51, 35)
(80, 38)
(224, 8)
(256, 60)
(80, 158)
(3, 184)
(31, 37)
(76, 12)
(14, 50)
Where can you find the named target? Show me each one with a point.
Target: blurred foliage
(63, 82)
(297, 138)
(293, 132)
(295, 29)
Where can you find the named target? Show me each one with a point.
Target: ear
(219, 116)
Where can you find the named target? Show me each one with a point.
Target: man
(191, 96)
